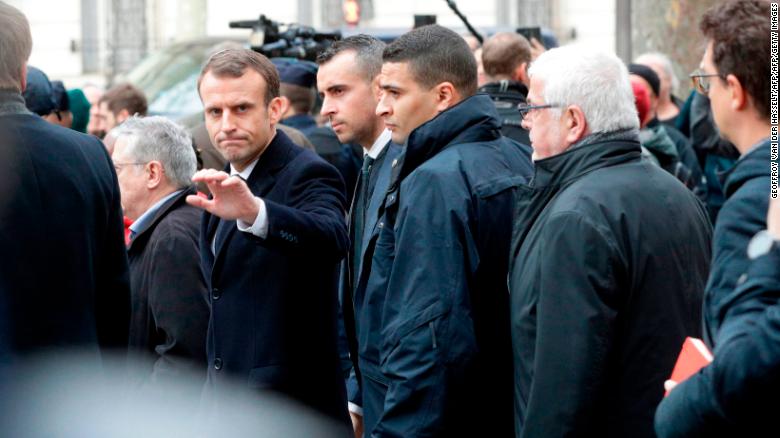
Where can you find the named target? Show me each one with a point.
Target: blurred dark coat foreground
(609, 260)
(67, 396)
(63, 266)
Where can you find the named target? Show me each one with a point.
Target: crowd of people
(414, 238)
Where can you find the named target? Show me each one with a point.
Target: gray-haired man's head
(153, 157)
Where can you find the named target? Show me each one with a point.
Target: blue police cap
(292, 71)
(38, 96)
(60, 95)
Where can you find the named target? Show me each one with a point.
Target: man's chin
(345, 138)
(398, 138)
(231, 156)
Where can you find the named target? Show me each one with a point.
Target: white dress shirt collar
(149, 214)
(379, 144)
(247, 170)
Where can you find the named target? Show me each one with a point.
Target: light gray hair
(157, 138)
(595, 81)
(664, 62)
(15, 46)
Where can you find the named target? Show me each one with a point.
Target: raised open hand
(231, 197)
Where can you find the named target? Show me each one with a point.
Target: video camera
(296, 41)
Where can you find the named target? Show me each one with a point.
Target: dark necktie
(360, 213)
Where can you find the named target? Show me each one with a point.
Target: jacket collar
(579, 160)
(505, 88)
(271, 160)
(470, 120)
(12, 102)
(657, 141)
(163, 211)
(751, 165)
(300, 121)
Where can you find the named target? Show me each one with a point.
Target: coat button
(216, 294)
(381, 225)
(218, 364)
(395, 162)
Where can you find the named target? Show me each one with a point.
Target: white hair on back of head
(157, 138)
(595, 81)
(664, 62)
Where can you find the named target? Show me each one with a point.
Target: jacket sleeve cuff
(355, 409)
(768, 265)
(260, 227)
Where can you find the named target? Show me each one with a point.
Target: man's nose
(525, 123)
(228, 121)
(382, 108)
(328, 108)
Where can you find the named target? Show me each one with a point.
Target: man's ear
(375, 88)
(275, 109)
(737, 93)
(122, 115)
(446, 95)
(285, 106)
(155, 174)
(520, 74)
(575, 124)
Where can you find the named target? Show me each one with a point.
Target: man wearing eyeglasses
(608, 260)
(728, 394)
(737, 85)
(154, 162)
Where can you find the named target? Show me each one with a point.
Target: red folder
(693, 357)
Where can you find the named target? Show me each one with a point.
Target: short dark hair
(234, 62)
(503, 52)
(125, 97)
(436, 54)
(301, 98)
(739, 31)
(368, 53)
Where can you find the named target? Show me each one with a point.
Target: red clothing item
(128, 222)
(641, 99)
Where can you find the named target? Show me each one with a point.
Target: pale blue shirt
(149, 214)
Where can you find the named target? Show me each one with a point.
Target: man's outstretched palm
(231, 197)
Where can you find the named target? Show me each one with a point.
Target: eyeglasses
(701, 80)
(118, 166)
(525, 108)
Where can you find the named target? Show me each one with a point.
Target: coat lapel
(377, 199)
(260, 182)
(161, 213)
